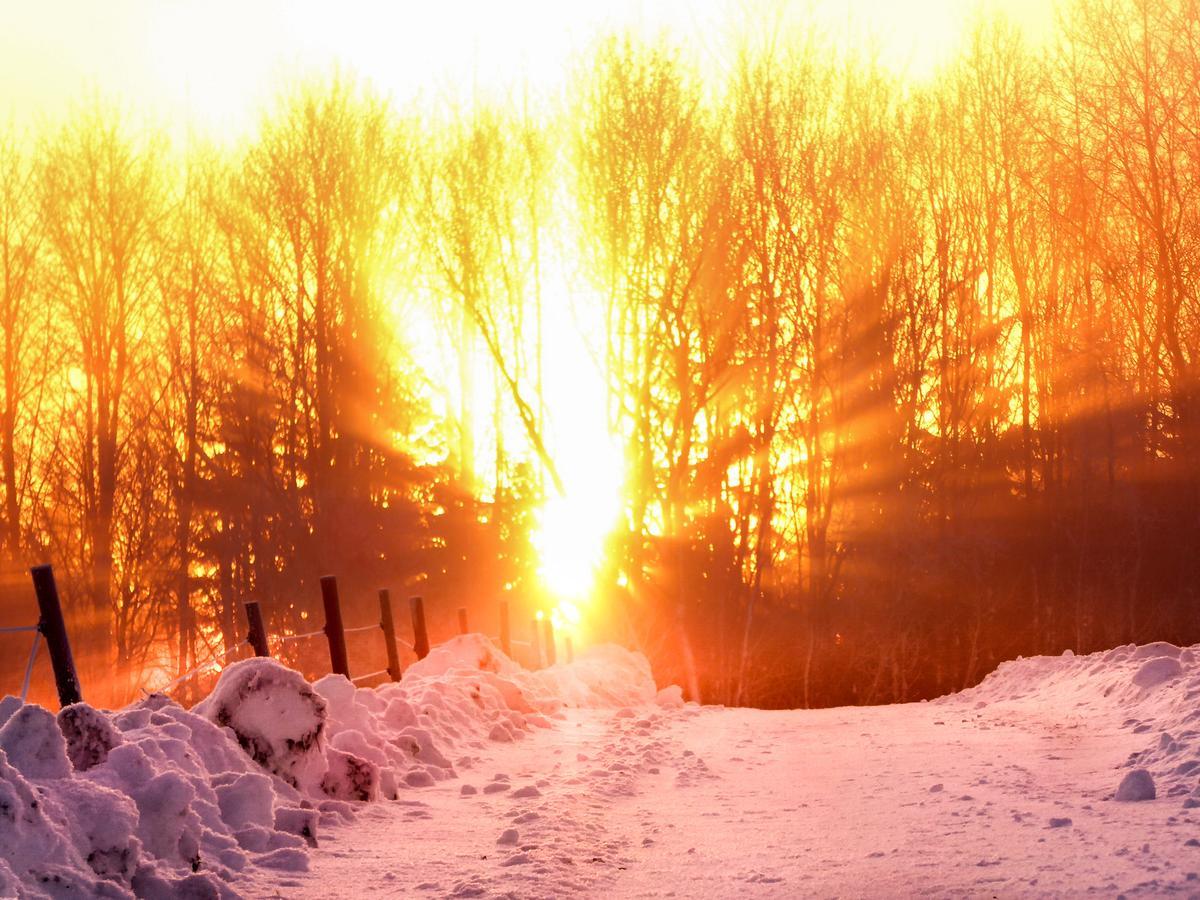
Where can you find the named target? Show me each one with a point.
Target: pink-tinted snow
(1004, 790)
(474, 777)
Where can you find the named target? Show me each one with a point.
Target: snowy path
(884, 801)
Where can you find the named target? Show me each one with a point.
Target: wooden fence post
(334, 631)
(551, 651)
(258, 630)
(389, 633)
(54, 629)
(535, 643)
(462, 620)
(420, 632)
(505, 636)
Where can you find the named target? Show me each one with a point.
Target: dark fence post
(551, 652)
(505, 636)
(420, 632)
(535, 643)
(258, 631)
(570, 649)
(462, 620)
(54, 629)
(334, 631)
(389, 633)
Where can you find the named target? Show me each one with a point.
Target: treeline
(909, 374)
(905, 375)
(207, 392)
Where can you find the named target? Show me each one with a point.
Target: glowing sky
(214, 62)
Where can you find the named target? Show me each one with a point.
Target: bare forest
(905, 377)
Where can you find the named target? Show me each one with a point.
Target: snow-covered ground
(473, 777)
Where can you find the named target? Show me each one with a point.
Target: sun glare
(210, 66)
(572, 528)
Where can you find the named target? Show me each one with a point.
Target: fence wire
(33, 651)
(203, 667)
(288, 638)
(18, 628)
(361, 628)
(370, 675)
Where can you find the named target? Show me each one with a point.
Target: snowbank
(158, 801)
(1150, 689)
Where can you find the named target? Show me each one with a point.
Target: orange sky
(216, 61)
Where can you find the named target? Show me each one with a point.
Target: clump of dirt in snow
(1135, 786)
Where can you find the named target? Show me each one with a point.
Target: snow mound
(157, 801)
(602, 676)
(1152, 689)
(466, 651)
(1154, 672)
(116, 805)
(275, 715)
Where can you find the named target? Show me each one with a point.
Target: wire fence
(51, 628)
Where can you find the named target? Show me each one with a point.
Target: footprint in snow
(759, 878)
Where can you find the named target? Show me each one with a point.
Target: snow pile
(604, 676)
(158, 801)
(276, 717)
(130, 803)
(466, 692)
(1151, 689)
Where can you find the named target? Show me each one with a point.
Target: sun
(572, 530)
(573, 527)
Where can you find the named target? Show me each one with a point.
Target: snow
(158, 801)
(275, 716)
(1007, 789)
(475, 777)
